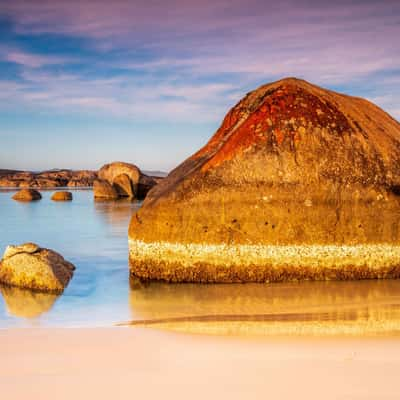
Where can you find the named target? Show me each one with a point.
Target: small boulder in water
(27, 195)
(61, 196)
(32, 267)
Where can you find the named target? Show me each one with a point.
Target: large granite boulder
(27, 195)
(127, 179)
(103, 190)
(299, 182)
(32, 267)
(61, 196)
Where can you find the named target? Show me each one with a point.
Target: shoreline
(275, 326)
(105, 363)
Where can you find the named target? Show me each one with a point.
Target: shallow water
(93, 236)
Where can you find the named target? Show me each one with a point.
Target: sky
(87, 82)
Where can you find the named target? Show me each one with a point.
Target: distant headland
(54, 178)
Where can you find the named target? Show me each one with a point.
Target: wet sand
(119, 363)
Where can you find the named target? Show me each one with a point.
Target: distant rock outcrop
(27, 195)
(299, 182)
(127, 179)
(32, 267)
(110, 171)
(61, 196)
(47, 179)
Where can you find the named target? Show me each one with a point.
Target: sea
(94, 237)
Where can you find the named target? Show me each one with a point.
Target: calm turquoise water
(93, 236)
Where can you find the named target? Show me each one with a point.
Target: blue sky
(83, 83)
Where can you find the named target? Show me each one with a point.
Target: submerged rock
(27, 195)
(32, 267)
(61, 196)
(299, 182)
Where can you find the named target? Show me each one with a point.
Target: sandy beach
(119, 363)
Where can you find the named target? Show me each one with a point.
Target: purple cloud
(191, 42)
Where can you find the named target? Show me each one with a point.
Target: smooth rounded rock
(299, 182)
(32, 267)
(61, 196)
(27, 195)
(127, 179)
(110, 171)
(29, 248)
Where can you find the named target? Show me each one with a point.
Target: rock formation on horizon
(47, 179)
(57, 178)
(299, 182)
(120, 179)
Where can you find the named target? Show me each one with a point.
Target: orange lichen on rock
(293, 165)
(240, 140)
(282, 114)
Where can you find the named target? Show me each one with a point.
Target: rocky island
(299, 182)
(46, 179)
(122, 180)
(114, 180)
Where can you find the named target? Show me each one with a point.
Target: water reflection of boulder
(116, 212)
(359, 307)
(26, 303)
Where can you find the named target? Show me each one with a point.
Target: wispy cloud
(31, 60)
(28, 59)
(389, 101)
(123, 96)
(189, 61)
(336, 40)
